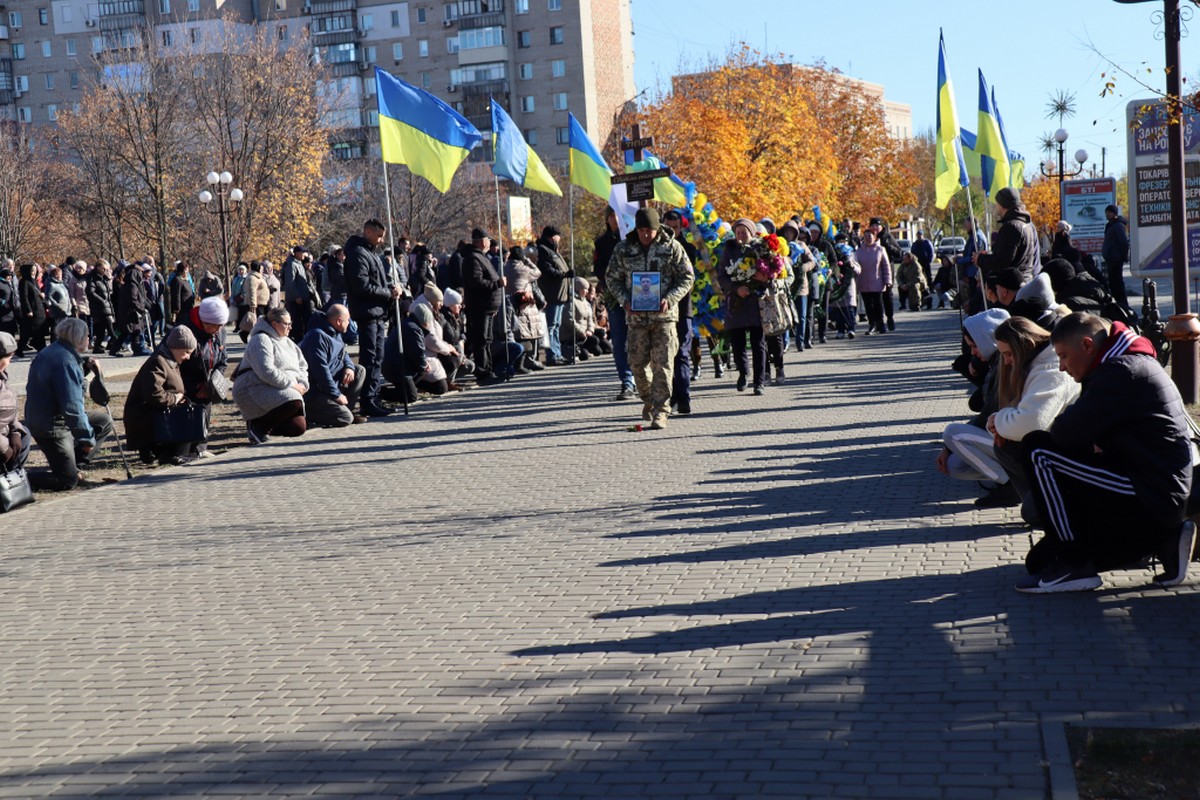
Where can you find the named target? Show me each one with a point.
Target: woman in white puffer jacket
(1032, 391)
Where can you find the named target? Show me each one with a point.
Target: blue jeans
(554, 312)
(802, 338)
(619, 329)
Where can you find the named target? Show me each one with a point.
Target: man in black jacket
(556, 288)
(370, 294)
(1112, 475)
(484, 293)
(1115, 252)
(1016, 241)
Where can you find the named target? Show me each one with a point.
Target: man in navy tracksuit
(1112, 475)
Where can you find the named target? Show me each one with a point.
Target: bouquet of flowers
(765, 260)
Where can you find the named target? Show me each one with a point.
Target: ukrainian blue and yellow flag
(950, 173)
(671, 190)
(420, 131)
(588, 168)
(1016, 164)
(989, 143)
(514, 158)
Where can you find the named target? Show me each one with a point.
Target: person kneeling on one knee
(333, 377)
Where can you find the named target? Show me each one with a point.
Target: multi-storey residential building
(538, 58)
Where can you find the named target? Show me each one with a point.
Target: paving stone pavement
(509, 594)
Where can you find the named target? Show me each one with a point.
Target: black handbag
(15, 490)
(181, 424)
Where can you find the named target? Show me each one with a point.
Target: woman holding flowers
(745, 272)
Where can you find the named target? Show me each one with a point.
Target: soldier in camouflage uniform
(652, 338)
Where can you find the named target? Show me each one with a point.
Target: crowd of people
(1073, 418)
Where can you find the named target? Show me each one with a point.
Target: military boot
(659, 421)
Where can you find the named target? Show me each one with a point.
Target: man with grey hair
(335, 382)
(54, 409)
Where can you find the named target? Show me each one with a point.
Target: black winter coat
(483, 290)
(1016, 246)
(554, 273)
(368, 282)
(100, 297)
(10, 306)
(132, 306)
(31, 301)
(182, 298)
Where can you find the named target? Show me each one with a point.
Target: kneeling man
(336, 382)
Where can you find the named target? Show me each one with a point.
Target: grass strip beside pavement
(1135, 763)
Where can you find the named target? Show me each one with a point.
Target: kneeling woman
(158, 387)
(270, 383)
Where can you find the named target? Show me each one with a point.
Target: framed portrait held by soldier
(647, 291)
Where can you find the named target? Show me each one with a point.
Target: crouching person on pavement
(54, 412)
(1112, 475)
(14, 439)
(336, 382)
(159, 386)
(652, 338)
(272, 380)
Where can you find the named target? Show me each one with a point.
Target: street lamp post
(1081, 156)
(227, 203)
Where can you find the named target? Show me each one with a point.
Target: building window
(527, 104)
(558, 68)
(52, 112)
(344, 151)
(556, 35)
(522, 6)
(426, 80)
(166, 39)
(452, 44)
(65, 13)
(421, 16)
(483, 37)
(451, 12)
(14, 20)
(74, 78)
(97, 44)
(554, 5)
(43, 16)
(50, 81)
(193, 6)
(21, 84)
(531, 137)
(18, 51)
(524, 39)
(396, 19)
(423, 48)
(47, 49)
(562, 135)
(164, 6)
(525, 72)
(281, 33)
(366, 22)
(397, 51)
(370, 54)
(281, 5)
(71, 47)
(194, 34)
(373, 118)
(24, 114)
(560, 101)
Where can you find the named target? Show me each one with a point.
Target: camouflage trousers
(651, 348)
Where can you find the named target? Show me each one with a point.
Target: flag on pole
(1016, 164)
(515, 159)
(950, 173)
(989, 143)
(588, 168)
(420, 131)
(672, 189)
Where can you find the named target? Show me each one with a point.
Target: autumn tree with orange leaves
(761, 137)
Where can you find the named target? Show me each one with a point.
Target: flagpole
(387, 193)
(975, 233)
(571, 289)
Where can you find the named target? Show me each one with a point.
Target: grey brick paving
(776, 597)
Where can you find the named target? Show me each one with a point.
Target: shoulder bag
(181, 424)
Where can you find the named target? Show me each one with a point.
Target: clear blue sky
(1027, 49)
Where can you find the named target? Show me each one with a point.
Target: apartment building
(538, 58)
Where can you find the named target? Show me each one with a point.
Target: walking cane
(100, 396)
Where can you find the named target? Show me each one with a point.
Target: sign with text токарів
(1083, 204)
(1149, 213)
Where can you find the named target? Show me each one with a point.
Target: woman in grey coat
(270, 384)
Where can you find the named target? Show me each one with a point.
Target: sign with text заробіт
(1149, 211)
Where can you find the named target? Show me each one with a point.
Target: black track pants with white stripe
(1088, 503)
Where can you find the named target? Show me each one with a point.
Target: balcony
(476, 21)
(325, 38)
(485, 88)
(332, 6)
(347, 69)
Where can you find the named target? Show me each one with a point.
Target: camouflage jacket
(666, 257)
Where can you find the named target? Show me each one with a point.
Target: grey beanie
(423, 313)
(8, 345)
(181, 338)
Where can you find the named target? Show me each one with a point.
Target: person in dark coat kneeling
(158, 387)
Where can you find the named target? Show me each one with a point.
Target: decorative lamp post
(228, 201)
(1081, 157)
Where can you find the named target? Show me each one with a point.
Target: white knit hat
(214, 311)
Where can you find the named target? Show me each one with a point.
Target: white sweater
(1047, 392)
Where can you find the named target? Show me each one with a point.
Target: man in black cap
(1016, 241)
(556, 288)
(484, 292)
(371, 296)
(1115, 252)
(652, 339)
(681, 383)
